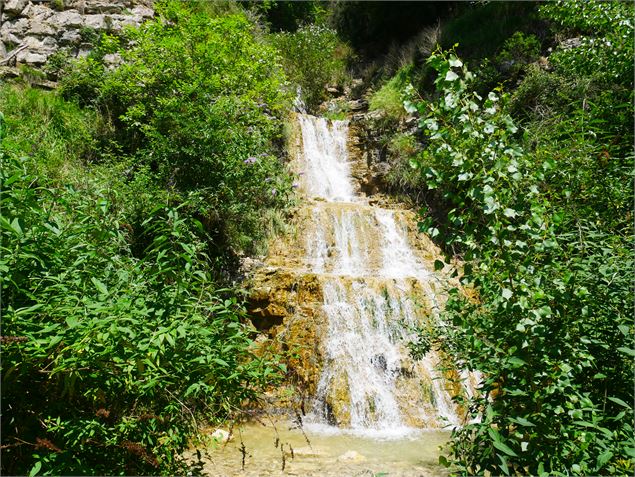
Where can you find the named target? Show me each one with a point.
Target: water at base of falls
(267, 448)
(376, 290)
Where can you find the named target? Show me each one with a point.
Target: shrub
(313, 57)
(109, 361)
(199, 102)
(551, 330)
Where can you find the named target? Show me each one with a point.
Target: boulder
(67, 19)
(96, 21)
(14, 7)
(358, 105)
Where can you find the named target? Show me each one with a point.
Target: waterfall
(376, 288)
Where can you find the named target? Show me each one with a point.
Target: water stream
(376, 290)
(374, 407)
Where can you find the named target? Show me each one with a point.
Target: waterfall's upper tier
(326, 171)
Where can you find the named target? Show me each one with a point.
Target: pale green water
(325, 454)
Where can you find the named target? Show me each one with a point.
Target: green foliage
(520, 49)
(198, 101)
(109, 360)
(288, 16)
(56, 133)
(606, 42)
(547, 248)
(313, 57)
(390, 98)
(121, 207)
(481, 28)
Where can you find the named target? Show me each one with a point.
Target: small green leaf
(438, 265)
(451, 76)
(35, 469)
(507, 293)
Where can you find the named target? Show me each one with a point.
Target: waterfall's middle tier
(356, 240)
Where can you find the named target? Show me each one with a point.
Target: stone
(221, 436)
(570, 43)
(3, 50)
(106, 6)
(358, 105)
(70, 37)
(37, 12)
(7, 72)
(112, 60)
(306, 452)
(119, 22)
(13, 32)
(45, 45)
(40, 28)
(67, 19)
(26, 57)
(142, 11)
(14, 7)
(96, 21)
(351, 456)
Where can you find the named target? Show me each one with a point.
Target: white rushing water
(370, 274)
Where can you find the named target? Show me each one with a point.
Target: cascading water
(376, 289)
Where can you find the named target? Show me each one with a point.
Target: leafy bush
(199, 102)
(606, 41)
(313, 57)
(109, 361)
(552, 328)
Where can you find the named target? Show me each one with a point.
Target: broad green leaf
(628, 351)
(503, 447)
(603, 458)
(101, 288)
(619, 401)
(523, 422)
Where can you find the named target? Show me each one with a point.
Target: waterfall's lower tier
(348, 333)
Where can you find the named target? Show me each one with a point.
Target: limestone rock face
(31, 32)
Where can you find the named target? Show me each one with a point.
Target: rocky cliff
(32, 31)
